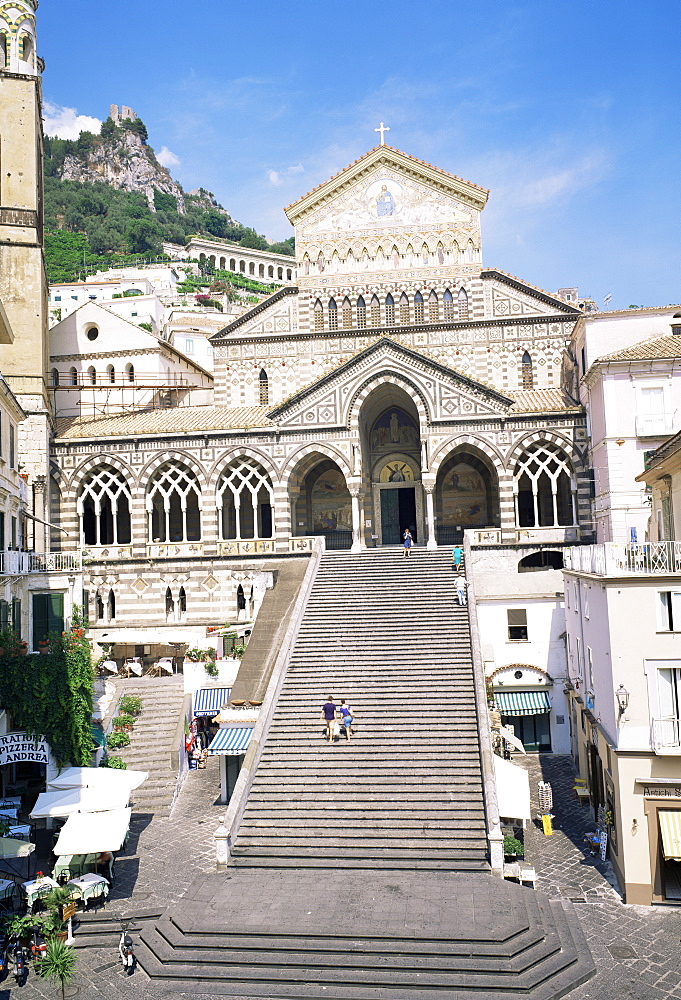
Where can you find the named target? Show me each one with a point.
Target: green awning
(98, 737)
(522, 702)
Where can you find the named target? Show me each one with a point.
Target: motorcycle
(127, 953)
(3, 955)
(19, 969)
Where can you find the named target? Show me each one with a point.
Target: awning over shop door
(522, 702)
(209, 701)
(670, 828)
(231, 740)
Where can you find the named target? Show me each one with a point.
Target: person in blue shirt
(408, 541)
(457, 556)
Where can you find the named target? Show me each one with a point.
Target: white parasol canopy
(92, 833)
(103, 778)
(512, 739)
(64, 802)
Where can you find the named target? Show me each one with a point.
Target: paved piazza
(636, 948)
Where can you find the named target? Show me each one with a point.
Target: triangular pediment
(446, 394)
(393, 162)
(510, 297)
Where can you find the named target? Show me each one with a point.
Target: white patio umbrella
(512, 739)
(98, 777)
(73, 800)
(93, 833)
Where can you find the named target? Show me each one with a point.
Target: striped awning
(670, 828)
(522, 702)
(231, 740)
(209, 701)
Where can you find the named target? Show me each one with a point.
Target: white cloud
(274, 177)
(167, 158)
(277, 177)
(66, 123)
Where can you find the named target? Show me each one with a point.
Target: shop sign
(662, 791)
(15, 747)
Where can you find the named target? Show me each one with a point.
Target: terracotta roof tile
(659, 348)
(174, 420)
(539, 400)
(393, 149)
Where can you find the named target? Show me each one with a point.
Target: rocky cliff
(126, 162)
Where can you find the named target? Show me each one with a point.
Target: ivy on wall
(50, 694)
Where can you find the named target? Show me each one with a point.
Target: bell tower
(24, 348)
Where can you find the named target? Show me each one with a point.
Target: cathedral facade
(400, 383)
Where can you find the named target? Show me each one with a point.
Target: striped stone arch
(481, 444)
(548, 437)
(239, 451)
(319, 448)
(147, 472)
(353, 405)
(93, 462)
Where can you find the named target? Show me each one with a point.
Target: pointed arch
(395, 254)
(244, 500)
(103, 505)
(404, 309)
(174, 504)
(463, 304)
(544, 487)
(375, 311)
(418, 308)
(425, 255)
(389, 310)
(361, 313)
(318, 315)
(447, 305)
(347, 313)
(526, 372)
(433, 307)
(170, 604)
(263, 388)
(92, 375)
(111, 606)
(440, 253)
(333, 314)
(55, 377)
(182, 603)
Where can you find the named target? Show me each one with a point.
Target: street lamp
(622, 696)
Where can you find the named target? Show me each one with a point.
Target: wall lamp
(622, 696)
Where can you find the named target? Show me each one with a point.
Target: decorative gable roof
(388, 156)
(520, 285)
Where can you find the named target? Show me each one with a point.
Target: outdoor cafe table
(74, 864)
(90, 886)
(35, 888)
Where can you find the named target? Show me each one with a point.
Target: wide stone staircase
(360, 869)
(152, 742)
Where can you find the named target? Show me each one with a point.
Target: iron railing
(664, 735)
(617, 558)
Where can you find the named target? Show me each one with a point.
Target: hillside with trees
(108, 200)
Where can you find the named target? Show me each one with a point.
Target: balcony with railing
(665, 736)
(624, 559)
(15, 563)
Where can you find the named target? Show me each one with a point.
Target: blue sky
(566, 111)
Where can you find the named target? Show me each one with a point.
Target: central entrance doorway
(398, 511)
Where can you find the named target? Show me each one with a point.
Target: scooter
(19, 969)
(127, 953)
(3, 955)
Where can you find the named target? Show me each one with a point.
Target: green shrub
(116, 762)
(117, 740)
(211, 668)
(124, 722)
(513, 846)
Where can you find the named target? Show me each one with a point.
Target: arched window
(263, 388)
(99, 607)
(306, 264)
(174, 505)
(212, 261)
(223, 263)
(270, 272)
(55, 377)
(433, 307)
(244, 501)
(425, 255)
(404, 309)
(463, 304)
(261, 270)
(361, 314)
(240, 599)
(73, 376)
(110, 373)
(527, 378)
(440, 251)
(182, 602)
(129, 373)
(318, 315)
(375, 311)
(448, 305)
(232, 264)
(170, 604)
(103, 505)
(4, 50)
(242, 266)
(544, 559)
(26, 48)
(111, 606)
(333, 315)
(280, 273)
(92, 375)
(418, 308)
(389, 310)
(395, 257)
(347, 314)
(251, 267)
(544, 488)
(289, 274)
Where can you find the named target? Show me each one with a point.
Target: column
(356, 522)
(430, 518)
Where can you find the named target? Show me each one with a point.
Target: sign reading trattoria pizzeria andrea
(16, 747)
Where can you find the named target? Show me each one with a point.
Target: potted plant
(44, 646)
(211, 668)
(21, 927)
(58, 963)
(513, 848)
(53, 923)
(117, 740)
(130, 705)
(116, 762)
(124, 722)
